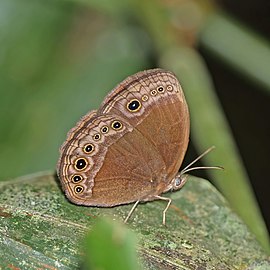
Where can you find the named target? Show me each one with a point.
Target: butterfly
(131, 148)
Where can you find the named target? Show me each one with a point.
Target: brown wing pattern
(136, 158)
(163, 118)
(131, 170)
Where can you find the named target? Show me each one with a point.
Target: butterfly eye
(80, 164)
(76, 178)
(78, 189)
(169, 88)
(177, 182)
(134, 105)
(116, 125)
(88, 148)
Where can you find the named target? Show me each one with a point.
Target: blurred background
(59, 58)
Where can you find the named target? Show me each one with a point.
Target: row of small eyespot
(133, 106)
(81, 163)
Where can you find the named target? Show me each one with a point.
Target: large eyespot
(88, 148)
(96, 137)
(134, 105)
(160, 89)
(116, 125)
(153, 92)
(76, 178)
(145, 98)
(78, 189)
(80, 163)
(104, 129)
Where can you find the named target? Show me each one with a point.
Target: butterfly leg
(131, 211)
(167, 207)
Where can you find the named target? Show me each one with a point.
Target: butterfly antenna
(188, 169)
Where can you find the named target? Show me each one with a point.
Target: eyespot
(80, 163)
(160, 89)
(76, 178)
(134, 105)
(153, 92)
(104, 129)
(169, 88)
(78, 189)
(96, 137)
(145, 98)
(88, 148)
(116, 125)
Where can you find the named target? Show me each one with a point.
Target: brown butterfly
(131, 148)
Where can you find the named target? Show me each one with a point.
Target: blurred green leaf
(39, 228)
(109, 245)
(57, 64)
(239, 47)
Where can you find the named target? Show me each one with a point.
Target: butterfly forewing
(161, 114)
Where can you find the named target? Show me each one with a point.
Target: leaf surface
(39, 228)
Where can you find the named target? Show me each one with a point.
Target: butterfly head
(179, 181)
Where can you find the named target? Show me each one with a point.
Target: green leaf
(39, 228)
(110, 244)
(238, 47)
